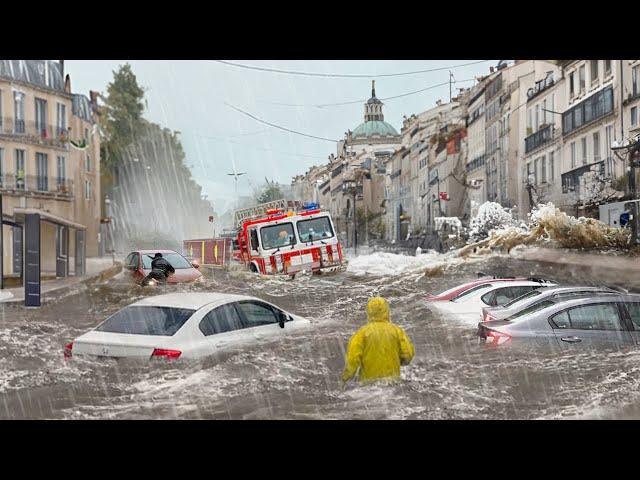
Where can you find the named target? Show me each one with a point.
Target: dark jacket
(162, 265)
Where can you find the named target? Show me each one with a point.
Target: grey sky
(190, 96)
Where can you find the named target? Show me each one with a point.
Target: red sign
(444, 196)
(211, 218)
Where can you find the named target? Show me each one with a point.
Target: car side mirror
(195, 264)
(282, 317)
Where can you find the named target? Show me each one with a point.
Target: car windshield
(530, 294)
(176, 260)
(277, 236)
(532, 308)
(472, 290)
(314, 229)
(148, 320)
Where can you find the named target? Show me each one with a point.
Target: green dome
(374, 127)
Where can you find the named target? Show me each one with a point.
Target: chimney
(61, 67)
(67, 84)
(491, 69)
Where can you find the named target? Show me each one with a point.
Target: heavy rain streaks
(298, 377)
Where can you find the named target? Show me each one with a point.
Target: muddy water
(298, 377)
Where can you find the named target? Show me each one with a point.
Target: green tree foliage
(269, 193)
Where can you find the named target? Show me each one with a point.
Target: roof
(81, 107)
(188, 300)
(374, 127)
(44, 73)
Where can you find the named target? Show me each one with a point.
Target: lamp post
(351, 187)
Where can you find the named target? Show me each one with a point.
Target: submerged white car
(185, 325)
(468, 305)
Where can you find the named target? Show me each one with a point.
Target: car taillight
(68, 349)
(497, 338)
(162, 352)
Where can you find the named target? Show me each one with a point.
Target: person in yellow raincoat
(379, 348)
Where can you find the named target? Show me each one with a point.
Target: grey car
(609, 320)
(541, 298)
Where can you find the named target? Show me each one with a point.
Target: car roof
(160, 250)
(569, 288)
(612, 298)
(194, 300)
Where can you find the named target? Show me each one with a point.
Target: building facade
(41, 170)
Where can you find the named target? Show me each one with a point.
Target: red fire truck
(272, 240)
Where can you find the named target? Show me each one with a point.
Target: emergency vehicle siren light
(274, 211)
(310, 206)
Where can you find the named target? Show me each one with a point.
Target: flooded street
(298, 377)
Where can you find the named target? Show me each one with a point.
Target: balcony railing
(35, 132)
(45, 185)
(541, 137)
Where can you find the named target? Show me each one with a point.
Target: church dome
(374, 128)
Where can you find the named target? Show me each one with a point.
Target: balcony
(32, 132)
(36, 185)
(539, 138)
(593, 108)
(571, 179)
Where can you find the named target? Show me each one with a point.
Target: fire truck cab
(287, 242)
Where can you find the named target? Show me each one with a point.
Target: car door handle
(571, 339)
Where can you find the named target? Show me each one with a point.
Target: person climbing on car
(160, 270)
(379, 348)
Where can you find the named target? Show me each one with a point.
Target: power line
(346, 75)
(261, 149)
(278, 126)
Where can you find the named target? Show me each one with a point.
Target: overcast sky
(190, 96)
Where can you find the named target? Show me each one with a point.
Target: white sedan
(185, 325)
(468, 305)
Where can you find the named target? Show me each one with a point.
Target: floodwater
(298, 377)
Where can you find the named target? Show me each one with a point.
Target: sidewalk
(97, 268)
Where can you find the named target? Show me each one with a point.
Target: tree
(270, 192)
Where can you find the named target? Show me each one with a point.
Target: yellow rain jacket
(378, 348)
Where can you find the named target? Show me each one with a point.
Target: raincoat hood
(378, 310)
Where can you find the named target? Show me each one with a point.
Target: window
(472, 290)
(132, 260)
(61, 172)
(594, 72)
(2, 166)
(526, 296)
(501, 296)
(596, 146)
(176, 260)
(582, 78)
(42, 172)
(573, 154)
(255, 314)
(537, 117)
(634, 314)
(529, 124)
(18, 112)
(609, 140)
(61, 118)
(87, 162)
(535, 171)
(277, 236)
(583, 141)
(531, 309)
(607, 68)
(87, 190)
(634, 116)
(602, 316)
(314, 229)
(20, 174)
(220, 320)
(147, 320)
(635, 80)
(571, 84)
(86, 135)
(41, 117)
(551, 166)
(543, 169)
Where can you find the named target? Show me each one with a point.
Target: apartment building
(42, 172)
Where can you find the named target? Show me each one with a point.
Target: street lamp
(350, 187)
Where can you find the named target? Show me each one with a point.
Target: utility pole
(355, 224)
(450, 77)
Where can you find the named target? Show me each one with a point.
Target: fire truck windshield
(277, 236)
(314, 229)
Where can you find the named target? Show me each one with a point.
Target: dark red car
(138, 264)
(455, 291)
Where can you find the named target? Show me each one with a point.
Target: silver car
(538, 299)
(610, 320)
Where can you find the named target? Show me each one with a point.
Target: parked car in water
(185, 325)
(468, 305)
(539, 299)
(138, 265)
(460, 289)
(609, 320)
